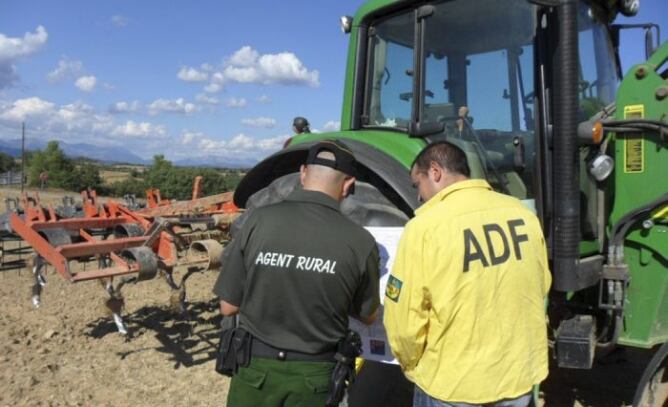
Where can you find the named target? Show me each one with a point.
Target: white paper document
(374, 339)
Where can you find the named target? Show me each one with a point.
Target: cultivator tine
(115, 304)
(120, 325)
(40, 281)
(177, 301)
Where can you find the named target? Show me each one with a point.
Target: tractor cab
(475, 73)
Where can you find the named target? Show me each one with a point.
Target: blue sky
(185, 79)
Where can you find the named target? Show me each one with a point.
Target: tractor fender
(388, 175)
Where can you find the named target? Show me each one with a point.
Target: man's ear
(348, 185)
(302, 174)
(435, 172)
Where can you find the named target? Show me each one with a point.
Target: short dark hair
(445, 154)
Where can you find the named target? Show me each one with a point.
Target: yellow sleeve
(405, 318)
(547, 276)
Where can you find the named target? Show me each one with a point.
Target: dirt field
(68, 353)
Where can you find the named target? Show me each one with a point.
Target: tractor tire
(652, 389)
(377, 384)
(367, 206)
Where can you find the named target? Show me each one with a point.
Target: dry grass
(109, 177)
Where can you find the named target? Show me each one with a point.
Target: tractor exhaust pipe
(566, 232)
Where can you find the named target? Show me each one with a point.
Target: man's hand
(368, 320)
(228, 309)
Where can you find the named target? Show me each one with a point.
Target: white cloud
(241, 145)
(235, 103)
(213, 88)
(206, 100)
(266, 122)
(74, 120)
(264, 99)
(119, 20)
(66, 68)
(247, 65)
(285, 68)
(190, 74)
(79, 122)
(332, 126)
(189, 137)
(172, 106)
(86, 83)
(22, 109)
(244, 57)
(13, 48)
(125, 107)
(139, 130)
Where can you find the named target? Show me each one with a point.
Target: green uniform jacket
(297, 270)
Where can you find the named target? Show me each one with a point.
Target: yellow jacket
(464, 306)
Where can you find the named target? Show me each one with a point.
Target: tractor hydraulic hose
(565, 158)
(637, 125)
(624, 224)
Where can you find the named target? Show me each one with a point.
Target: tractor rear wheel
(367, 206)
(653, 387)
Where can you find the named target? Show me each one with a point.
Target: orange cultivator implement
(128, 245)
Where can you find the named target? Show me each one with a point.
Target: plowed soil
(68, 351)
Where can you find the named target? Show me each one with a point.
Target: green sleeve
(232, 278)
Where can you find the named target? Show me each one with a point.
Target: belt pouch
(226, 359)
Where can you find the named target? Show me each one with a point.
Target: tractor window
(478, 62)
(475, 59)
(390, 72)
(598, 78)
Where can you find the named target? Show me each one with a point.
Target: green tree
(52, 161)
(86, 175)
(176, 182)
(62, 172)
(7, 163)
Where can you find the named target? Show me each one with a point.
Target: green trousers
(273, 383)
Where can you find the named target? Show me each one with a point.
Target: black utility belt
(263, 350)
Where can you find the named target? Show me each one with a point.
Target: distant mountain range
(217, 162)
(105, 154)
(109, 154)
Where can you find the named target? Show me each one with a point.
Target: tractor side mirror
(651, 44)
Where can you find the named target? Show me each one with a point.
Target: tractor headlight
(601, 167)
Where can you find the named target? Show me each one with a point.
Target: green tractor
(530, 90)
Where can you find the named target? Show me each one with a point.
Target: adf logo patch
(393, 288)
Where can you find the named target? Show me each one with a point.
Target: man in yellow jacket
(464, 311)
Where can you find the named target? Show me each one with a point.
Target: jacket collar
(445, 192)
(316, 197)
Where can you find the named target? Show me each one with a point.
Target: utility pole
(23, 154)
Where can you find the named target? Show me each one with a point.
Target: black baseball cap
(344, 160)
